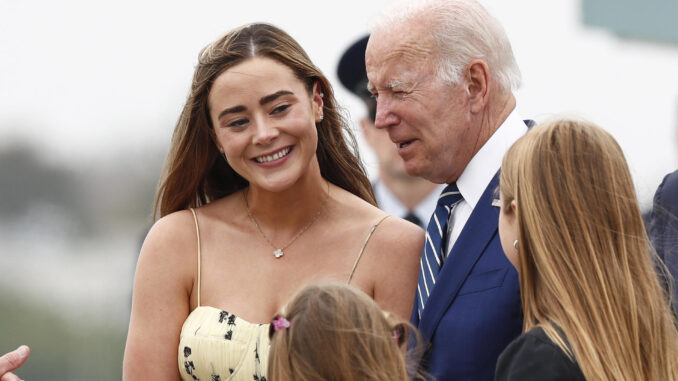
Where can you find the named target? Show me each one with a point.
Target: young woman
(570, 224)
(262, 193)
(333, 332)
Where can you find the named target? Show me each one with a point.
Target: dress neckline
(219, 310)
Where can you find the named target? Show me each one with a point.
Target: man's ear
(477, 80)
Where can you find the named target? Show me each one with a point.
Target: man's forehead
(410, 51)
(401, 65)
(390, 46)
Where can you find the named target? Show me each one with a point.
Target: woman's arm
(160, 304)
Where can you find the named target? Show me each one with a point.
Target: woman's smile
(274, 158)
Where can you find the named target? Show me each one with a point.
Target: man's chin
(425, 172)
(413, 169)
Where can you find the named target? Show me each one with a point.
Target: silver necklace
(279, 252)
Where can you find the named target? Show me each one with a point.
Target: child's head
(334, 332)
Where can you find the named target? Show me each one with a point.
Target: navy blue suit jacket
(474, 310)
(663, 228)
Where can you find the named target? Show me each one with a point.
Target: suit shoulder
(667, 192)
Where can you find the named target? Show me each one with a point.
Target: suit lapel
(479, 230)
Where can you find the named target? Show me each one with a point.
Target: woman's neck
(290, 209)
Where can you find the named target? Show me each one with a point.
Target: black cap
(353, 76)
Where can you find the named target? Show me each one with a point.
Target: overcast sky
(87, 79)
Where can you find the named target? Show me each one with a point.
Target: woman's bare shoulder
(174, 226)
(222, 209)
(397, 236)
(393, 234)
(358, 212)
(390, 263)
(180, 227)
(171, 237)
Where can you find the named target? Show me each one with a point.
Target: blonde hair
(338, 333)
(585, 262)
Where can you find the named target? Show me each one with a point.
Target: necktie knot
(449, 196)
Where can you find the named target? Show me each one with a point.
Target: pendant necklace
(279, 252)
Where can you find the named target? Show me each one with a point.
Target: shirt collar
(487, 161)
(428, 205)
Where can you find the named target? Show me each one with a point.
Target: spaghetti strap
(362, 249)
(197, 233)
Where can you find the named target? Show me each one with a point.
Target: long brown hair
(338, 333)
(195, 173)
(585, 262)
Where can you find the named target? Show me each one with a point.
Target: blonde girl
(570, 223)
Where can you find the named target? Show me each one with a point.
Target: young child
(335, 332)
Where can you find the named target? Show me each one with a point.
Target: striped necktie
(433, 252)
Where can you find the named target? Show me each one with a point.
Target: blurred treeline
(89, 196)
(69, 304)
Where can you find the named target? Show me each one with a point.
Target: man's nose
(385, 116)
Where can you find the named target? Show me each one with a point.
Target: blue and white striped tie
(433, 252)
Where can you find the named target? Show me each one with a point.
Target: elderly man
(397, 193)
(443, 73)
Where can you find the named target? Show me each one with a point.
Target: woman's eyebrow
(264, 100)
(274, 96)
(231, 110)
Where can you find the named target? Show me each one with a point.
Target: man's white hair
(462, 31)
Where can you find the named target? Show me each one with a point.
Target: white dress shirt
(479, 172)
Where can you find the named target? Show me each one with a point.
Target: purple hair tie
(399, 334)
(279, 323)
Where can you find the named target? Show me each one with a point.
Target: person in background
(332, 332)
(570, 223)
(261, 194)
(443, 74)
(12, 361)
(663, 231)
(397, 193)
(662, 226)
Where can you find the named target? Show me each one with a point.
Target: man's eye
(280, 109)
